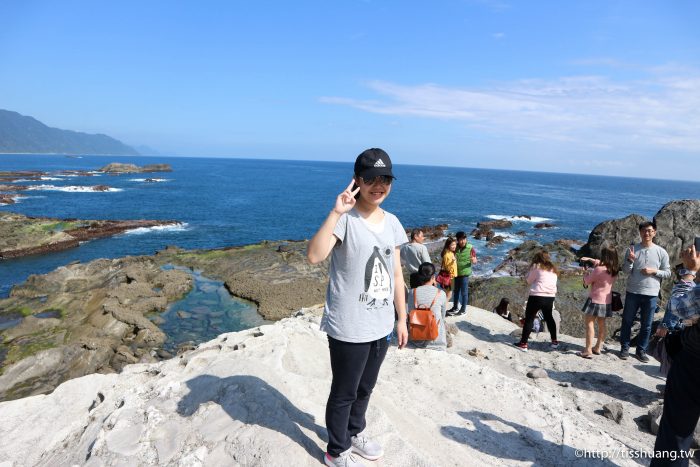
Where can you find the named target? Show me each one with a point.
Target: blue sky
(602, 87)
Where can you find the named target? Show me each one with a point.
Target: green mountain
(20, 134)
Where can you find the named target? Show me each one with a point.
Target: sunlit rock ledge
(257, 397)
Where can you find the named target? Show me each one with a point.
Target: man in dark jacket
(682, 398)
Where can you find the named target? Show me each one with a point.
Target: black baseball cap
(372, 163)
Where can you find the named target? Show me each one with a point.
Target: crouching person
(427, 297)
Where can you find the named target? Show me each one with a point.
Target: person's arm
(426, 255)
(473, 256)
(664, 271)
(400, 302)
(531, 275)
(593, 261)
(324, 240)
(589, 276)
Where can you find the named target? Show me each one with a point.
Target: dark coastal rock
(76, 173)
(120, 168)
(544, 225)
(677, 223)
(617, 233)
(613, 411)
(98, 321)
(11, 176)
(518, 259)
(13, 187)
(478, 234)
(22, 235)
(521, 233)
(497, 240)
(100, 188)
(571, 245)
(431, 232)
(494, 224)
(7, 199)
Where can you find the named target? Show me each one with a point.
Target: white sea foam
(533, 219)
(179, 227)
(149, 179)
(72, 189)
(49, 178)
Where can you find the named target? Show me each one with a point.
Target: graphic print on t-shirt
(377, 279)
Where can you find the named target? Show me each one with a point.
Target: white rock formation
(246, 400)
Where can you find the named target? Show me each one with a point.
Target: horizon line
(272, 158)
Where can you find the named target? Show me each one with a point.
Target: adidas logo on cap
(379, 163)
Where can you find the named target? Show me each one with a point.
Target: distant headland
(23, 134)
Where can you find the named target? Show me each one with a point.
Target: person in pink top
(600, 277)
(542, 279)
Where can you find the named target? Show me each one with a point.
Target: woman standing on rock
(600, 277)
(365, 287)
(542, 279)
(449, 266)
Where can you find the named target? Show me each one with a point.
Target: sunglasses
(383, 179)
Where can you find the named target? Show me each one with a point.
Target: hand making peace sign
(346, 200)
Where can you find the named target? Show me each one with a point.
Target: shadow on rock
(252, 401)
(504, 439)
(484, 334)
(613, 385)
(652, 369)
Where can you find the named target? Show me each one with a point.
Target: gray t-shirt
(360, 297)
(425, 294)
(652, 257)
(413, 255)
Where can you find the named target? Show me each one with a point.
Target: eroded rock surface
(103, 307)
(100, 322)
(23, 235)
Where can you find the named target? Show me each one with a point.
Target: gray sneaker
(624, 354)
(345, 459)
(642, 356)
(366, 447)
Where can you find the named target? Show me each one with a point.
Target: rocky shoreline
(10, 180)
(94, 317)
(98, 311)
(24, 235)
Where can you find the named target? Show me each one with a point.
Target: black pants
(681, 410)
(355, 369)
(535, 304)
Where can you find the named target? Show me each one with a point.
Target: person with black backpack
(421, 300)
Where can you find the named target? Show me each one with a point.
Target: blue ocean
(225, 202)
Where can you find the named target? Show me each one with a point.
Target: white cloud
(661, 111)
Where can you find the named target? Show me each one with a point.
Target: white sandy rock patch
(245, 400)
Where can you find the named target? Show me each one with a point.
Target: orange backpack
(421, 321)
